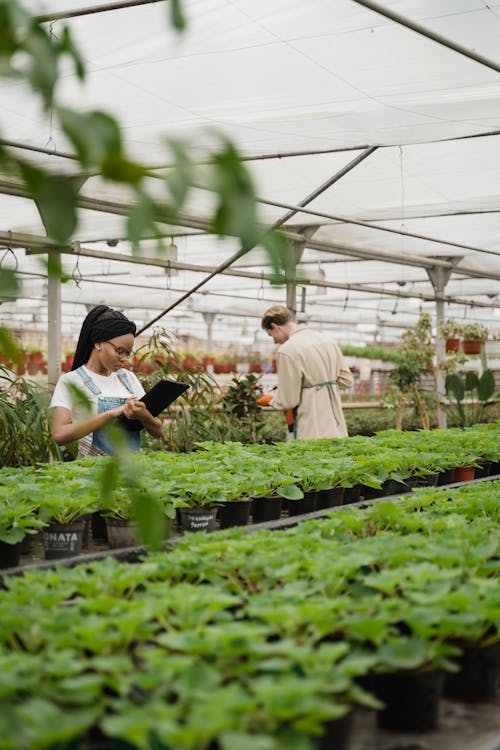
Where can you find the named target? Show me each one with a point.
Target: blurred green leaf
(176, 15)
(150, 519)
(8, 345)
(9, 283)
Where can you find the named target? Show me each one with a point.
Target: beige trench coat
(307, 362)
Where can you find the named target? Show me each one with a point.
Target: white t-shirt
(109, 385)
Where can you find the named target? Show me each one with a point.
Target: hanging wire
(395, 308)
(76, 274)
(401, 176)
(51, 142)
(260, 291)
(10, 251)
(168, 270)
(347, 297)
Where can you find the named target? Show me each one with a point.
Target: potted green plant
(480, 389)
(18, 517)
(473, 335)
(450, 331)
(64, 512)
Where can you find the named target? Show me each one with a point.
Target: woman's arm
(65, 431)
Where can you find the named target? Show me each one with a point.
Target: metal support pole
(209, 318)
(54, 317)
(439, 277)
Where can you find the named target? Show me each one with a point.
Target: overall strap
(93, 388)
(122, 374)
(328, 384)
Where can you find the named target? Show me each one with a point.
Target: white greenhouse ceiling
(394, 128)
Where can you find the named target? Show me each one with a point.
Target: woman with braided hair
(99, 389)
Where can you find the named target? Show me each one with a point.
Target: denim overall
(100, 440)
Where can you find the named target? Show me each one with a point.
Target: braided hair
(102, 323)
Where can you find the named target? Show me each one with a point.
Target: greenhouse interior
(305, 197)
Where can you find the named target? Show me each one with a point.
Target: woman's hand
(133, 408)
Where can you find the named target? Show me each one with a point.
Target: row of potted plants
(227, 476)
(262, 641)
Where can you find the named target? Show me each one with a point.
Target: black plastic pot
(330, 498)
(478, 677)
(483, 470)
(62, 540)
(370, 493)
(121, 532)
(411, 700)
(198, 519)
(98, 528)
(235, 513)
(307, 504)
(26, 545)
(495, 468)
(266, 508)
(86, 529)
(393, 487)
(445, 477)
(9, 554)
(352, 494)
(429, 480)
(337, 733)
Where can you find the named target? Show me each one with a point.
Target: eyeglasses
(120, 351)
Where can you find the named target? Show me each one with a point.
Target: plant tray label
(60, 540)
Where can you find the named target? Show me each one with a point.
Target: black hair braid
(85, 345)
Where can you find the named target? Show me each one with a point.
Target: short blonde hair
(278, 315)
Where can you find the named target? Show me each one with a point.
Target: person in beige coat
(311, 369)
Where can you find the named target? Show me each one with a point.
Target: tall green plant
(25, 434)
(480, 389)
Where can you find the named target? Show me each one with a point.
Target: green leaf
(67, 45)
(9, 284)
(455, 386)
(486, 385)
(94, 135)
(56, 202)
(179, 178)
(150, 519)
(471, 381)
(176, 15)
(140, 221)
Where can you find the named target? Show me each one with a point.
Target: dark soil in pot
(411, 700)
(235, 513)
(479, 674)
(266, 509)
(330, 498)
(307, 504)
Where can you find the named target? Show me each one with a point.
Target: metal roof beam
(435, 37)
(196, 268)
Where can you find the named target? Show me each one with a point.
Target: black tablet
(156, 399)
